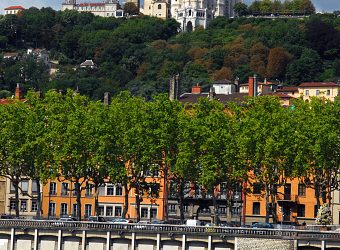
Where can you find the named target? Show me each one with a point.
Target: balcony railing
(173, 229)
(287, 197)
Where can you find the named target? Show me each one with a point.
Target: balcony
(286, 198)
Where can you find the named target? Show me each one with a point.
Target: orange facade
(294, 201)
(59, 200)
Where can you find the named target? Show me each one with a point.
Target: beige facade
(27, 198)
(2, 195)
(155, 8)
(336, 207)
(328, 90)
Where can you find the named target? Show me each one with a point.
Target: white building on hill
(109, 8)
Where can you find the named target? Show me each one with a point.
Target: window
(34, 187)
(328, 92)
(101, 210)
(24, 186)
(153, 213)
(88, 210)
(12, 189)
(307, 92)
(89, 190)
(23, 205)
(109, 211)
(257, 188)
(119, 190)
(144, 213)
(256, 208)
(317, 92)
(110, 190)
(12, 204)
(63, 209)
(53, 188)
(118, 211)
(185, 208)
(34, 206)
(172, 208)
(51, 209)
(159, 6)
(316, 209)
(75, 210)
(222, 210)
(302, 189)
(301, 210)
(64, 189)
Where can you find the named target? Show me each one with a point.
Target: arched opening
(189, 27)
(159, 6)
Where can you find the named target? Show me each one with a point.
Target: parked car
(96, 219)
(262, 225)
(193, 223)
(142, 224)
(159, 222)
(121, 220)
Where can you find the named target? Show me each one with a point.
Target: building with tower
(197, 13)
(109, 8)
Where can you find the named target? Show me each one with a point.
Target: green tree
(130, 8)
(241, 9)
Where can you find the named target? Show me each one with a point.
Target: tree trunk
(78, 198)
(15, 183)
(38, 200)
(273, 206)
(96, 206)
(181, 200)
(166, 216)
(126, 200)
(267, 204)
(216, 217)
(137, 205)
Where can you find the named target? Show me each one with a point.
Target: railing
(222, 232)
(287, 197)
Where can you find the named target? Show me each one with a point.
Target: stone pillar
(108, 240)
(83, 241)
(11, 246)
(296, 244)
(36, 240)
(323, 245)
(183, 242)
(133, 241)
(60, 240)
(158, 242)
(209, 242)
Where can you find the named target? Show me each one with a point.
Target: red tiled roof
(288, 89)
(281, 95)
(318, 84)
(92, 4)
(18, 7)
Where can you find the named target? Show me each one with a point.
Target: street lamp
(237, 206)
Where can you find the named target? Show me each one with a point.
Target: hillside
(140, 54)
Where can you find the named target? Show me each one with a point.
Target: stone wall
(263, 244)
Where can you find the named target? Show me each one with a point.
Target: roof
(91, 4)
(280, 95)
(87, 63)
(17, 7)
(234, 97)
(318, 84)
(288, 89)
(223, 81)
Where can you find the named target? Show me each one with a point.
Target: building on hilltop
(191, 14)
(109, 8)
(13, 10)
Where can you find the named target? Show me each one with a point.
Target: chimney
(211, 94)
(18, 92)
(252, 86)
(236, 82)
(106, 98)
(196, 89)
(174, 87)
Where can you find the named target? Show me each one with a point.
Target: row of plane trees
(73, 138)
